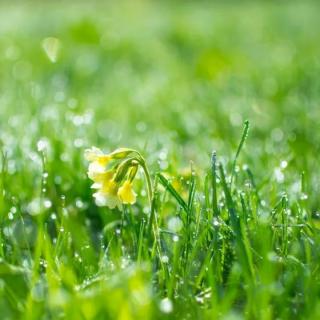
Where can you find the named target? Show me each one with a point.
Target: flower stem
(148, 179)
(149, 183)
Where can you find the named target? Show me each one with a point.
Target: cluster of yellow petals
(110, 191)
(126, 193)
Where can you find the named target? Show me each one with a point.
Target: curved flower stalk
(113, 174)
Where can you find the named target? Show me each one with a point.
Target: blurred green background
(173, 79)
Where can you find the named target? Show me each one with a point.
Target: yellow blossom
(126, 193)
(97, 157)
(107, 195)
(112, 175)
(100, 179)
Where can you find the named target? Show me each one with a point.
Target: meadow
(221, 102)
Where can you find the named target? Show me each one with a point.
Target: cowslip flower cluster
(112, 175)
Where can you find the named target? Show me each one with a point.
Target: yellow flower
(97, 167)
(101, 179)
(113, 185)
(126, 193)
(97, 157)
(107, 195)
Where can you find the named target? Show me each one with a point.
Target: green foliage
(231, 237)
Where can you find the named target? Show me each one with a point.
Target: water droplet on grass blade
(13, 210)
(47, 203)
(175, 238)
(42, 145)
(166, 305)
(303, 196)
(79, 203)
(174, 224)
(165, 259)
(53, 216)
(216, 222)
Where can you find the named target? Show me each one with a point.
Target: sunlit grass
(226, 225)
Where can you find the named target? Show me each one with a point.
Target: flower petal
(92, 154)
(126, 193)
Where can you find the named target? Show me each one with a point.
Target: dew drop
(175, 238)
(165, 259)
(166, 305)
(47, 203)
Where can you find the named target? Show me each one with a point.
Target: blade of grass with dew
(242, 141)
(243, 254)
(173, 192)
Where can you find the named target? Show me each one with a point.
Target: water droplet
(13, 210)
(79, 203)
(165, 259)
(303, 196)
(216, 222)
(174, 224)
(199, 299)
(53, 216)
(175, 238)
(43, 263)
(166, 305)
(245, 167)
(47, 203)
(42, 145)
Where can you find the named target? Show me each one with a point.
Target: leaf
(173, 192)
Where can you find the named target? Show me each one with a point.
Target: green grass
(233, 229)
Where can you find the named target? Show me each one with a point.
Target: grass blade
(173, 192)
(242, 141)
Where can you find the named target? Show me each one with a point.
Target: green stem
(148, 178)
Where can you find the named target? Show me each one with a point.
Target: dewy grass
(231, 259)
(234, 236)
